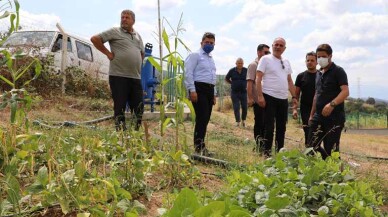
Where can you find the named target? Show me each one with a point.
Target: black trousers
(275, 110)
(258, 128)
(327, 130)
(203, 109)
(305, 115)
(126, 92)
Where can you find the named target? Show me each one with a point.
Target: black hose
(210, 160)
(70, 123)
(365, 156)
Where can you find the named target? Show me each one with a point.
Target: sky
(357, 30)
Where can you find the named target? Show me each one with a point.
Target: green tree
(371, 101)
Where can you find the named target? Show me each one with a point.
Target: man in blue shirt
(200, 80)
(237, 77)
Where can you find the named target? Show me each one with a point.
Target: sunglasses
(281, 61)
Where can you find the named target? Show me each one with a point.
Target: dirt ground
(354, 147)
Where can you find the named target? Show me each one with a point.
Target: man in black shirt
(305, 88)
(327, 116)
(237, 78)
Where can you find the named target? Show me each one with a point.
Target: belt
(203, 84)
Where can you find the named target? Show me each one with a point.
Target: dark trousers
(305, 115)
(328, 130)
(203, 109)
(239, 98)
(275, 110)
(258, 128)
(126, 91)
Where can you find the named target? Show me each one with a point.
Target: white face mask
(323, 61)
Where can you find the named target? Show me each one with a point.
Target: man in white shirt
(273, 81)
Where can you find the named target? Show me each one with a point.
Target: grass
(229, 142)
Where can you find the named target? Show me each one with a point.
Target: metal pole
(161, 53)
(64, 56)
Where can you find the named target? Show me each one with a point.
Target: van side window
(58, 44)
(84, 51)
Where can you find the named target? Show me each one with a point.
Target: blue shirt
(239, 80)
(200, 67)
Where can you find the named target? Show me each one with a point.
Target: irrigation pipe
(226, 164)
(365, 156)
(71, 124)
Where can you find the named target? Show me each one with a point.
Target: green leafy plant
(292, 184)
(17, 96)
(188, 204)
(13, 15)
(175, 65)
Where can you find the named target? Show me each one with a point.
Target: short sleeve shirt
(306, 82)
(251, 76)
(127, 48)
(275, 76)
(239, 80)
(328, 86)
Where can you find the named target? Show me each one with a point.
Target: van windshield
(33, 38)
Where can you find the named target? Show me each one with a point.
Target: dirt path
(383, 132)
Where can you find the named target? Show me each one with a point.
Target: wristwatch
(332, 104)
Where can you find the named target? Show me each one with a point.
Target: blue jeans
(239, 98)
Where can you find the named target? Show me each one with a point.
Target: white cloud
(224, 2)
(29, 21)
(146, 5)
(351, 54)
(38, 21)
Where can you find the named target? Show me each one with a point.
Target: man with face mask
(327, 116)
(200, 80)
(305, 88)
(126, 55)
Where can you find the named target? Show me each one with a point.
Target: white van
(80, 52)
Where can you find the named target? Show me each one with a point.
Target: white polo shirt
(275, 81)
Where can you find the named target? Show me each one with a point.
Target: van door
(56, 49)
(86, 59)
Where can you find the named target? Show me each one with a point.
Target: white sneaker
(237, 124)
(243, 124)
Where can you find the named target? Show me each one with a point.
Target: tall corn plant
(175, 65)
(17, 95)
(13, 15)
(9, 64)
(9, 184)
